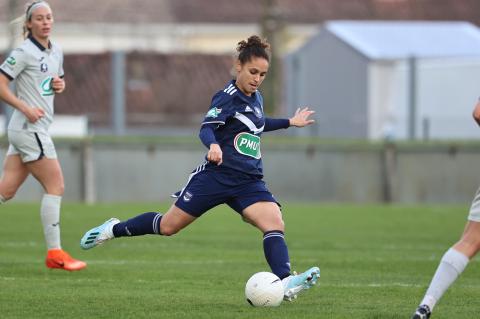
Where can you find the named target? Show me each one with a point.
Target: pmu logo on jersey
(44, 67)
(214, 112)
(248, 144)
(46, 86)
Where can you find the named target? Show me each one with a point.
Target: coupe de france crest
(214, 112)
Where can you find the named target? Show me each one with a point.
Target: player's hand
(58, 84)
(33, 114)
(300, 119)
(215, 154)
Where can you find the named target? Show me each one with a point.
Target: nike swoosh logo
(59, 263)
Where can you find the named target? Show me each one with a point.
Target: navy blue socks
(276, 253)
(147, 223)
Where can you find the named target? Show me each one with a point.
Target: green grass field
(376, 262)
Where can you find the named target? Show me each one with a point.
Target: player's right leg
(266, 216)
(13, 175)
(147, 223)
(48, 172)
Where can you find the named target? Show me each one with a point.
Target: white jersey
(33, 67)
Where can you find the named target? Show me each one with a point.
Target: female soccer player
(36, 66)
(455, 260)
(233, 171)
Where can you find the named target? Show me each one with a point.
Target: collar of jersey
(38, 44)
(248, 99)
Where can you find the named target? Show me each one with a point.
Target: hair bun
(253, 41)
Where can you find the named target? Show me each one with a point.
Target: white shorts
(31, 146)
(474, 214)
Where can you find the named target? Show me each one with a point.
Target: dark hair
(253, 47)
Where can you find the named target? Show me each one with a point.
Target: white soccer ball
(264, 289)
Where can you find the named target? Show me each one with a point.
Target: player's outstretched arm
(301, 117)
(476, 112)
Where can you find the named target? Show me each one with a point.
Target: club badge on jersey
(43, 67)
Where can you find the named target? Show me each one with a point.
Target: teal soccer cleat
(294, 284)
(98, 235)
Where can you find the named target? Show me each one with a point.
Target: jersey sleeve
(220, 109)
(14, 64)
(275, 124)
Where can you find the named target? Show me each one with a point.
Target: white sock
(451, 266)
(50, 216)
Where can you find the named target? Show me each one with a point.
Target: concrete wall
(334, 173)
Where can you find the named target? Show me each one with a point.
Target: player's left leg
(174, 220)
(49, 174)
(267, 217)
(453, 263)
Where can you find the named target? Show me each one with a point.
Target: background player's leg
(49, 174)
(452, 264)
(13, 175)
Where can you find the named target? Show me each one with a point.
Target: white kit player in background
(36, 66)
(455, 260)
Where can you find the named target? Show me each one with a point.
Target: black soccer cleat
(423, 312)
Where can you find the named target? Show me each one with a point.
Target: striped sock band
(273, 233)
(156, 223)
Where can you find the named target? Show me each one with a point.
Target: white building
(357, 75)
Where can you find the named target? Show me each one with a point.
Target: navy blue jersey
(240, 121)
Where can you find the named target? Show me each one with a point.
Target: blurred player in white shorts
(455, 260)
(36, 66)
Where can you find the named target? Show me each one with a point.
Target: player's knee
(277, 223)
(7, 195)
(472, 242)
(280, 225)
(57, 189)
(476, 244)
(168, 230)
